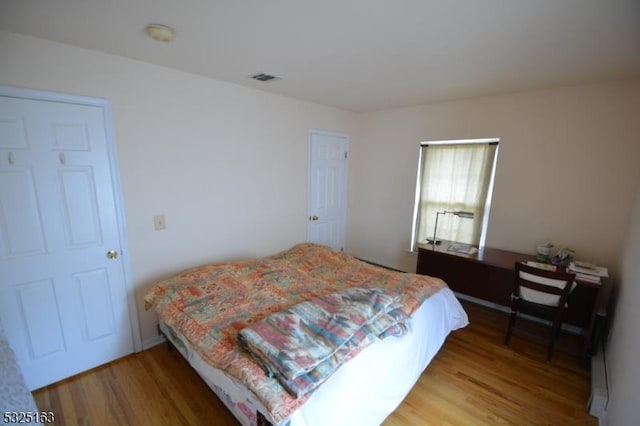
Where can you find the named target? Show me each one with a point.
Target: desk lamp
(462, 214)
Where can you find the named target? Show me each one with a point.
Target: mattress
(366, 389)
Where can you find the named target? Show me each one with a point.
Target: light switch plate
(159, 223)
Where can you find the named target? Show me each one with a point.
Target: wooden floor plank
(474, 379)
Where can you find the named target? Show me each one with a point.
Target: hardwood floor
(476, 380)
(473, 380)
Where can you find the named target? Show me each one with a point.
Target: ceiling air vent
(264, 77)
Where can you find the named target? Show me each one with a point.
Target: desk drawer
(467, 277)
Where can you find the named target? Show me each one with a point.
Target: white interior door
(63, 298)
(328, 176)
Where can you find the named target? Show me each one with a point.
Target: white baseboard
(482, 302)
(153, 341)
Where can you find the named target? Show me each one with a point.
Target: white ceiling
(358, 55)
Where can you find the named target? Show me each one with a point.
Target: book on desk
(588, 271)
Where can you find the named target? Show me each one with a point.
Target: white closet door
(63, 300)
(328, 175)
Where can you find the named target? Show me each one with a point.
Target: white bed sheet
(365, 390)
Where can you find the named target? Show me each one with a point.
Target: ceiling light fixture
(160, 32)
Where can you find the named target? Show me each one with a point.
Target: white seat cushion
(538, 296)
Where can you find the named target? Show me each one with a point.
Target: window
(454, 176)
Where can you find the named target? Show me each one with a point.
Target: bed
(202, 312)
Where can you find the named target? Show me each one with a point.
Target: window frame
(419, 177)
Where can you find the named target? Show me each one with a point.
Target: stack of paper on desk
(588, 271)
(462, 248)
(540, 265)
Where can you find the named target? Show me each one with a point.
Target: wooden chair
(541, 294)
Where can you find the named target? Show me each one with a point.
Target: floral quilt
(210, 304)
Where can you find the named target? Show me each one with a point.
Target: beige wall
(623, 349)
(227, 165)
(567, 170)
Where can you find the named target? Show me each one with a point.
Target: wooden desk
(489, 275)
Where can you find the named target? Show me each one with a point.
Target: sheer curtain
(454, 177)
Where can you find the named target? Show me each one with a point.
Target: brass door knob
(314, 217)
(112, 254)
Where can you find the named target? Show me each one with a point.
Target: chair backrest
(543, 286)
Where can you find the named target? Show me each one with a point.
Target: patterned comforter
(210, 304)
(304, 345)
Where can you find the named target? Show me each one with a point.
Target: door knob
(314, 217)
(112, 254)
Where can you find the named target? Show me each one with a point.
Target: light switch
(159, 222)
